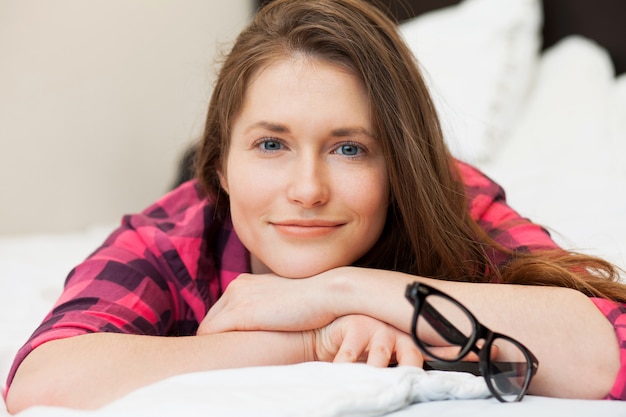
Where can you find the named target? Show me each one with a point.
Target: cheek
(370, 197)
(250, 192)
(379, 204)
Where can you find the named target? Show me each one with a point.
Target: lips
(306, 228)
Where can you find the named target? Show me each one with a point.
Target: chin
(297, 271)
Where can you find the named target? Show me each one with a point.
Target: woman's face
(306, 178)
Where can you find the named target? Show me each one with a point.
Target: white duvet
(557, 147)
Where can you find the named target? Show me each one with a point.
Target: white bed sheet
(325, 390)
(561, 163)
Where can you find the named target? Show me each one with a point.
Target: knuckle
(382, 350)
(348, 355)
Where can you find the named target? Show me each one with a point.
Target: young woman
(324, 188)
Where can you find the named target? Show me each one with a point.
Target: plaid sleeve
(142, 280)
(616, 314)
(488, 206)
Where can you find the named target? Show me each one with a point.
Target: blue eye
(271, 145)
(349, 150)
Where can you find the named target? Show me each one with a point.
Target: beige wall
(97, 101)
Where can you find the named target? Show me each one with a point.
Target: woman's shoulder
(481, 191)
(473, 177)
(185, 207)
(167, 237)
(184, 196)
(181, 217)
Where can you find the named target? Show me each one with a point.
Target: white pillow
(478, 58)
(563, 164)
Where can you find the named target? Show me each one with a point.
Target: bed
(540, 110)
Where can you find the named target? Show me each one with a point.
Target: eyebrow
(272, 127)
(340, 132)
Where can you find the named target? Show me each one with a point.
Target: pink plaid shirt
(162, 269)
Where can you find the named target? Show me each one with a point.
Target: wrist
(308, 338)
(341, 291)
(371, 292)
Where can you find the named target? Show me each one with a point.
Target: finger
(207, 325)
(451, 353)
(351, 349)
(381, 349)
(494, 351)
(470, 357)
(407, 354)
(221, 318)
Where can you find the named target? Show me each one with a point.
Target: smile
(306, 229)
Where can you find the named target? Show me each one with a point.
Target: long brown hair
(429, 231)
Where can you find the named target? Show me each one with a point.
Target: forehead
(300, 61)
(285, 83)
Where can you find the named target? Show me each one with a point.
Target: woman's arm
(91, 370)
(575, 344)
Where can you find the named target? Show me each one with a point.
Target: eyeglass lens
(443, 323)
(508, 376)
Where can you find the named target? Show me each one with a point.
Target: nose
(308, 185)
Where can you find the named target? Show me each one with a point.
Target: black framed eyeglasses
(446, 331)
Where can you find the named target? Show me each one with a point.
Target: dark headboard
(600, 20)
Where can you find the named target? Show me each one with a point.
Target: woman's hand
(359, 338)
(269, 302)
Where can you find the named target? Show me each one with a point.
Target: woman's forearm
(575, 344)
(91, 370)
